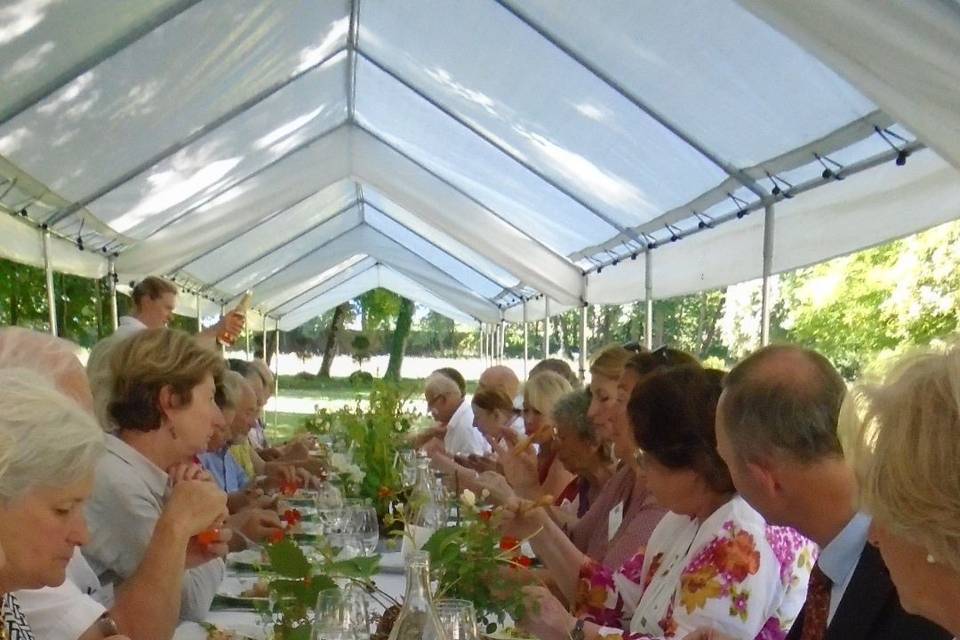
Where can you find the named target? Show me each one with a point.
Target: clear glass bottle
(423, 499)
(418, 619)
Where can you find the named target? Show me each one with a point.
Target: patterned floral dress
(732, 572)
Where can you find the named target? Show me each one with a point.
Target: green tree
(399, 343)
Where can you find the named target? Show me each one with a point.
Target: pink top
(641, 514)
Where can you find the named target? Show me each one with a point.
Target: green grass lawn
(288, 425)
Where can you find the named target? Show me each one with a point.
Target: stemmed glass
(458, 618)
(366, 527)
(341, 614)
(408, 467)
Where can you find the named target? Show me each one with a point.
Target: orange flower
(739, 557)
(509, 543)
(292, 517)
(485, 515)
(276, 536)
(522, 561)
(384, 492)
(288, 488)
(698, 587)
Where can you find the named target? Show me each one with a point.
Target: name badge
(614, 520)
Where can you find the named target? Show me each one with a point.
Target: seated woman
(583, 453)
(148, 606)
(712, 560)
(537, 474)
(623, 516)
(162, 403)
(906, 447)
(49, 448)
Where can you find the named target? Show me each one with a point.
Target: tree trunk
(400, 335)
(336, 323)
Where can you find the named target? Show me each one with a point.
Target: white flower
(485, 494)
(468, 498)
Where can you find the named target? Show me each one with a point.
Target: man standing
(777, 432)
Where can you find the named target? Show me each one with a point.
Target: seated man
(454, 417)
(148, 604)
(777, 431)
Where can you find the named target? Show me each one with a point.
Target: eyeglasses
(635, 347)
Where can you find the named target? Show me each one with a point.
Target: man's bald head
(53, 358)
(500, 378)
(783, 399)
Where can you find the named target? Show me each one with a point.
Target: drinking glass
(408, 467)
(367, 527)
(458, 618)
(341, 614)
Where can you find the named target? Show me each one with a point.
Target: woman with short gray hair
(49, 447)
(582, 452)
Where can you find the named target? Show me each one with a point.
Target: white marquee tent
(493, 160)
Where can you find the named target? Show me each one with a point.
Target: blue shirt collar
(840, 557)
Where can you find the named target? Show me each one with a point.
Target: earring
(931, 559)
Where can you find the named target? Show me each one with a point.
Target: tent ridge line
(731, 170)
(196, 135)
(353, 40)
(438, 248)
(104, 53)
(466, 195)
(253, 174)
(402, 273)
(519, 161)
(269, 252)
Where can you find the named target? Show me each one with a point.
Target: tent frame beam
(320, 284)
(768, 242)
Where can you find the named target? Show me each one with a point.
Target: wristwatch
(577, 632)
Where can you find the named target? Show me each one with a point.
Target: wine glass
(408, 467)
(341, 614)
(458, 618)
(367, 527)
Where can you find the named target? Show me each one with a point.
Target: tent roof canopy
(471, 156)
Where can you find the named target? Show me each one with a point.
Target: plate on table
(392, 562)
(242, 592)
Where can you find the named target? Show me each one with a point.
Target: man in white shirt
(154, 300)
(454, 417)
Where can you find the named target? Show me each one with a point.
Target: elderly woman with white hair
(903, 437)
(148, 604)
(49, 448)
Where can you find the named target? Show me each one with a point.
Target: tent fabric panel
(435, 256)
(460, 218)
(411, 124)
(419, 225)
(158, 90)
(580, 133)
(272, 231)
(400, 284)
(235, 210)
(331, 277)
(301, 111)
(903, 55)
(343, 292)
(536, 309)
(23, 243)
(41, 41)
(301, 246)
(862, 211)
(733, 95)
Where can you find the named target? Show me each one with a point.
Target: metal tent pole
(526, 340)
(648, 299)
(583, 341)
(503, 339)
(263, 319)
(768, 228)
(480, 343)
(112, 275)
(276, 379)
(51, 294)
(246, 340)
(223, 345)
(199, 321)
(546, 328)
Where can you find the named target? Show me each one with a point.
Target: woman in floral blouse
(712, 561)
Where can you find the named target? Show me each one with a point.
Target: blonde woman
(905, 446)
(537, 475)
